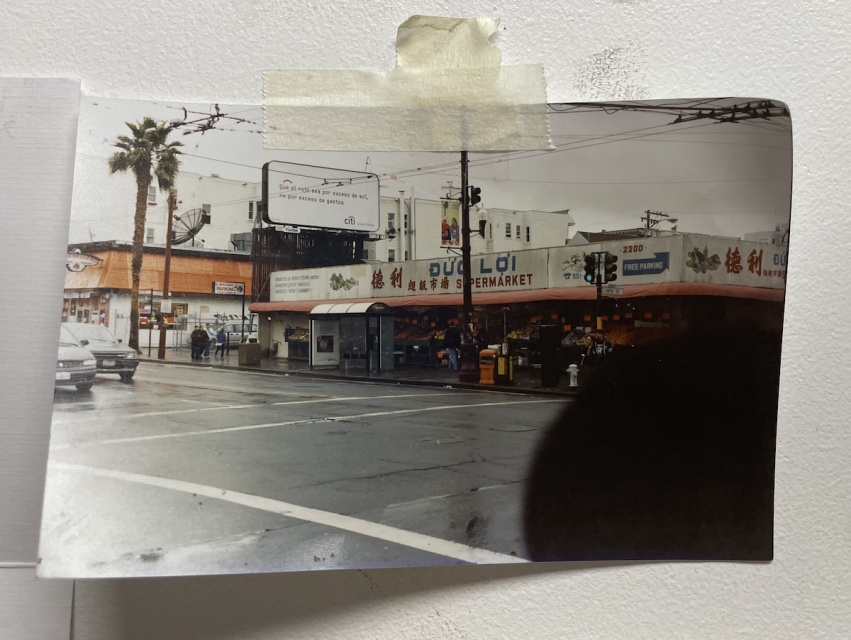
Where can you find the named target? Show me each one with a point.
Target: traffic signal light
(610, 266)
(590, 268)
(482, 226)
(475, 195)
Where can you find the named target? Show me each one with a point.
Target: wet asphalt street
(193, 471)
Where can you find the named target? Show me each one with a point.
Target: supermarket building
(669, 283)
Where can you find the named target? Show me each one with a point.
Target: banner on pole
(450, 223)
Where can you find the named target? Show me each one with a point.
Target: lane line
(239, 406)
(457, 406)
(198, 385)
(271, 425)
(386, 533)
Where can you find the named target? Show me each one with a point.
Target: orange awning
(572, 293)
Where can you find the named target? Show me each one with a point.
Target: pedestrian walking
(221, 342)
(198, 339)
(452, 340)
(211, 339)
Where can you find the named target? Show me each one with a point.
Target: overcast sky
(610, 165)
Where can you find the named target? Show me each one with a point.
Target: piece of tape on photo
(448, 92)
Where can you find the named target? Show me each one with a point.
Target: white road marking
(270, 425)
(123, 417)
(457, 406)
(346, 523)
(201, 385)
(490, 487)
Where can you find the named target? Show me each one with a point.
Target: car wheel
(84, 386)
(127, 377)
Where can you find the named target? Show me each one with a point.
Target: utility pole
(167, 271)
(151, 323)
(469, 366)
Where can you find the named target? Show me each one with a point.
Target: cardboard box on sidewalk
(249, 354)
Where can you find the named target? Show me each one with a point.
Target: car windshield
(92, 333)
(66, 339)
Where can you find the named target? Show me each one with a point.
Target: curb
(412, 383)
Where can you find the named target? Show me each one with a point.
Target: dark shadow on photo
(667, 453)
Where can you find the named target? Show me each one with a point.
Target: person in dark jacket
(221, 342)
(452, 340)
(199, 340)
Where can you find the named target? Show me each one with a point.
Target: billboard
(301, 195)
(450, 223)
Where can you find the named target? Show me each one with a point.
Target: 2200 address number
(633, 248)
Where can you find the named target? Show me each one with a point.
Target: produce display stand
(298, 344)
(417, 344)
(416, 353)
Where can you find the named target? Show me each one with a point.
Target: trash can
(504, 373)
(487, 363)
(249, 354)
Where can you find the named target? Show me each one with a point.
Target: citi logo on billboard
(349, 220)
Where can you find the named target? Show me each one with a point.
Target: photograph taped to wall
(610, 392)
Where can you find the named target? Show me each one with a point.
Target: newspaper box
(487, 363)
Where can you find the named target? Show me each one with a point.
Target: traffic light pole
(600, 268)
(469, 365)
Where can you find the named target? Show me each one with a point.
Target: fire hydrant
(574, 375)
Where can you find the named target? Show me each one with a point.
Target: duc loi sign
(229, 288)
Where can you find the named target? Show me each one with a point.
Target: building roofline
(193, 252)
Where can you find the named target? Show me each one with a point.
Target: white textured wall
(794, 51)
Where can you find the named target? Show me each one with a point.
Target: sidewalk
(526, 380)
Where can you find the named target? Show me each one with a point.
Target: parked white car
(75, 366)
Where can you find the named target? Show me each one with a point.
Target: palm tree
(147, 154)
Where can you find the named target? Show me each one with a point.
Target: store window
(152, 195)
(391, 255)
(507, 230)
(180, 312)
(149, 235)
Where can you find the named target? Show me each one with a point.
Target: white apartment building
(779, 235)
(231, 207)
(415, 223)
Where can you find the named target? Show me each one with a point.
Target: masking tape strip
(447, 93)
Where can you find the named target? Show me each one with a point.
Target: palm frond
(118, 163)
